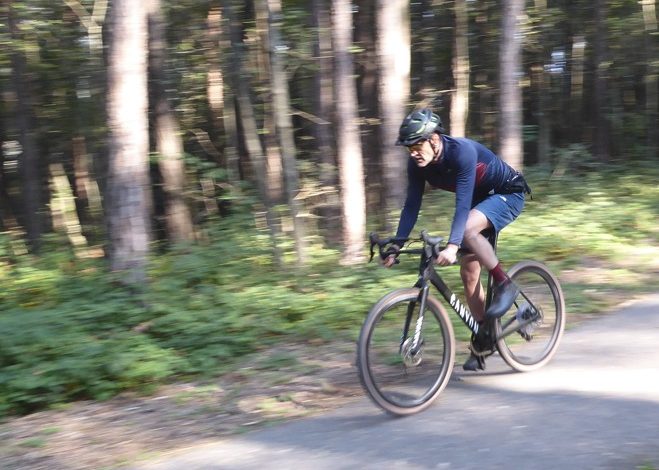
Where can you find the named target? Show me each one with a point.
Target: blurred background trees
(128, 128)
(224, 159)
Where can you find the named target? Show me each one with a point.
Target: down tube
(462, 310)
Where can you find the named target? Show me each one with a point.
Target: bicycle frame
(429, 276)
(427, 273)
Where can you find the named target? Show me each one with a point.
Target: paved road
(595, 406)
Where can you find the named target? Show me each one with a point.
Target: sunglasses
(415, 147)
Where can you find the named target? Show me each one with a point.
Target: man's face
(422, 153)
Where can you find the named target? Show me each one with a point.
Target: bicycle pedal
(474, 363)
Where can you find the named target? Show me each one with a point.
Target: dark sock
(498, 274)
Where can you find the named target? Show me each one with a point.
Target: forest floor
(282, 383)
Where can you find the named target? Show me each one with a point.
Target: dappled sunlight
(601, 380)
(607, 356)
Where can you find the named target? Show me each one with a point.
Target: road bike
(406, 347)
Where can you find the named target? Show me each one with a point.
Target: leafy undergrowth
(70, 331)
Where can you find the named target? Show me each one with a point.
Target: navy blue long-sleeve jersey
(467, 168)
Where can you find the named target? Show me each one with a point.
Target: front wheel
(401, 373)
(529, 333)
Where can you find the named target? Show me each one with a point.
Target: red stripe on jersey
(481, 168)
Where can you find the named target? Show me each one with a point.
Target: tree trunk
(367, 89)
(247, 120)
(511, 94)
(128, 172)
(394, 72)
(64, 214)
(322, 102)
(215, 82)
(87, 194)
(273, 152)
(651, 78)
(461, 70)
(351, 173)
(7, 218)
(284, 127)
(92, 117)
(29, 166)
(229, 115)
(169, 144)
(423, 24)
(577, 88)
(542, 88)
(601, 88)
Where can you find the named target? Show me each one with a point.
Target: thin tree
(366, 70)
(226, 37)
(215, 81)
(7, 218)
(351, 172)
(245, 116)
(273, 153)
(511, 94)
(88, 185)
(461, 70)
(651, 77)
(128, 175)
(393, 51)
(541, 82)
(29, 158)
(169, 144)
(284, 127)
(575, 115)
(322, 102)
(601, 108)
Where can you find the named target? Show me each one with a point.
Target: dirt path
(280, 384)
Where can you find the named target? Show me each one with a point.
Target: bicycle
(405, 356)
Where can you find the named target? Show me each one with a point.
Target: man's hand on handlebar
(448, 255)
(390, 259)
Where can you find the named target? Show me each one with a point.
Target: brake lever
(372, 237)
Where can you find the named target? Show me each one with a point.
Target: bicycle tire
(386, 368)
(531, 347)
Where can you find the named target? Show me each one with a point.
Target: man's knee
(470, 273)
(471, 233)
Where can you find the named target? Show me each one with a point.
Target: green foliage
(70, 331)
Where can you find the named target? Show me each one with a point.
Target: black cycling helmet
(418, 125)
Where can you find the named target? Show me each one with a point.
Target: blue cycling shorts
(501, 209)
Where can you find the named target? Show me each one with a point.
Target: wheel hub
(412, 357)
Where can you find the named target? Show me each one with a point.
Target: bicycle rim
(400, 378)
(537, 321)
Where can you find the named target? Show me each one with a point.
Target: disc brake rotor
(412, 358)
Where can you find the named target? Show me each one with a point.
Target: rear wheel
(400, 377)
(529, 333)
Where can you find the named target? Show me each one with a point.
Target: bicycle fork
(416, 339)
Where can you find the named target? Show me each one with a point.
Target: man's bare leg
(504, 291)
(470, 271)
(476, 242)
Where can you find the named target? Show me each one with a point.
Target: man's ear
(434, 140)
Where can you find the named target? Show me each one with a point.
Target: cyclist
(489, 194)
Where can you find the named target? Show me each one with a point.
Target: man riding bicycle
(489, 194)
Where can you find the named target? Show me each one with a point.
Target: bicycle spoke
(405, 378)
(528, 334)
